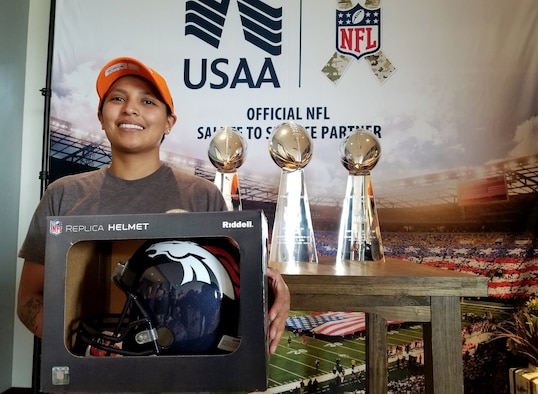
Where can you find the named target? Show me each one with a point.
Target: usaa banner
(449, 87)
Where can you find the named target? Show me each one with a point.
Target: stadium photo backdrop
(449, 88)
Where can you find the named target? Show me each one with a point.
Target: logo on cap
(121, 66)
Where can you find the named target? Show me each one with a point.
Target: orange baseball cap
(123, 66)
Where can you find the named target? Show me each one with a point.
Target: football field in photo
(295, 359)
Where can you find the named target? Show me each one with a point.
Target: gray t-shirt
(101, 193)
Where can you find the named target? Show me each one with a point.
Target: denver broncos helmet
(182, 297)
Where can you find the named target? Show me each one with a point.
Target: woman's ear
(171, 121)
(100, 117)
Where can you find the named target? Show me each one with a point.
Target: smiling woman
(136, 111)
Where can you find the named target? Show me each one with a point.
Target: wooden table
(393, 290)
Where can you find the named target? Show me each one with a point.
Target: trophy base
(293, 238)
(359, 237)
(228, 184)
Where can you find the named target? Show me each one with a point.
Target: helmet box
(156, 303)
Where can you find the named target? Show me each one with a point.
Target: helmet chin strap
(147, 336)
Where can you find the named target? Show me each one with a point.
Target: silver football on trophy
(360, 151)
(290, 146)
(227, 150)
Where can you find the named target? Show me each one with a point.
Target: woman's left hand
(279, 310)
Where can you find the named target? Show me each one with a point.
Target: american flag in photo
(329, 323)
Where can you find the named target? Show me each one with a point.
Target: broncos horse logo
(197, 262)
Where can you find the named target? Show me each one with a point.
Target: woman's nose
(131, 108)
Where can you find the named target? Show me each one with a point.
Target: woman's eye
(149, 101)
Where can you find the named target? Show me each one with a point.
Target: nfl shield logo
(55, 227)
(358, 31)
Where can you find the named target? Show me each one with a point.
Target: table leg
(442, 347)
(376, 354)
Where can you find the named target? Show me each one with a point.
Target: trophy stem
(359, 237)
(293, 235)
(228, 184)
